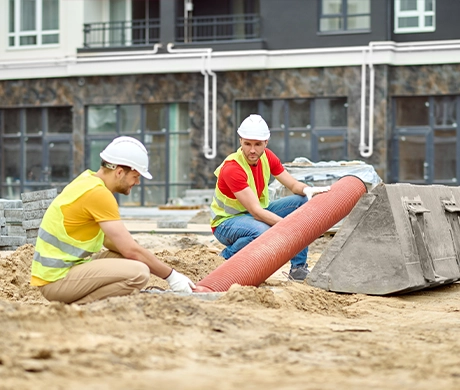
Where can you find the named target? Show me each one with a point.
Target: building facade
(370, 80)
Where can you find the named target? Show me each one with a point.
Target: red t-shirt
(233, 178)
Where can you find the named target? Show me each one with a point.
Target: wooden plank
(179, 207)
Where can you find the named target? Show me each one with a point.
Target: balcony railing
(121, 33)
(218, 28)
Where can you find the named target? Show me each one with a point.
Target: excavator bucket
(398, 238)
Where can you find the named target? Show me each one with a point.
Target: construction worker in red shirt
(241, 210)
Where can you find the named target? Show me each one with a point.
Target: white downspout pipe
(362, 135)
(209, 152)
(367, 150)
(206, 106)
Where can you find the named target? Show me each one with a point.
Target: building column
(167, 21)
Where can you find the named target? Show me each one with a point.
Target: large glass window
(413, 16)
(426, 140)
(36, 149)
(412, 111)
(60, 120)
(345, 15)
(311, 128)
(33, 23)
(331, 112)
(102, 119)
(412, 158)
(164, 129)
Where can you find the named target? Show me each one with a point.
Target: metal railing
(218, 28)
(121, 33)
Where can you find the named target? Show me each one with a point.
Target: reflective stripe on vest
(227, 209)
(67, 248)
(52, 263)
(55, 251)
(223, 207)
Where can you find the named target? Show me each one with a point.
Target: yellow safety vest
(223, 207)
(55, 251)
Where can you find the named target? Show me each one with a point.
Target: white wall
(5, 27)
(71, 19)
(95, 11)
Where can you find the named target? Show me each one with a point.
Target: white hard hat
(130, 152)
(254, 127)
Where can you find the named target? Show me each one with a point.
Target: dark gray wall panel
(293, 24)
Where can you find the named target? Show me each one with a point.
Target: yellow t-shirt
(81, 218)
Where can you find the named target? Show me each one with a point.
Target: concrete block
(34, 214)
(39, 195)
(11, 204)
(32, 233)
(32, 241)
(12, 240)
(9, 247)
(14, 215)
(37, 205)
(14, 230)
(31, 224)
(171, 224)
(2, 221)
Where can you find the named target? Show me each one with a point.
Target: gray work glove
(179, 282)
(310, 192)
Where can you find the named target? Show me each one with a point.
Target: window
(33, 23)
(345, 15)
(426, 140)
(164, 129)
(413, 16)
(311, 128)
(36, 149)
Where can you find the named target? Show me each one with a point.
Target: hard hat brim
(147, 175)
(252, 137)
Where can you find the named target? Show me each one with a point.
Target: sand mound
(15, 276)
(281, 335)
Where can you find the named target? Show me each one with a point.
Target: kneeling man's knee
(140, 275)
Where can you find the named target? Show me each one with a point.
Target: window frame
(427, 131)
(167, 185)
(38, 33)
(420, 13)
(314, 131)
(46, 138)
(344, 15)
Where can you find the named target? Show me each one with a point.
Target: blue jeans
(237, 232)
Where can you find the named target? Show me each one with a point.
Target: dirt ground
(282, 335)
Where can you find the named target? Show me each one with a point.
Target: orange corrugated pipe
(253, 264)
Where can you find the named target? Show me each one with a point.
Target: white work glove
(179, 282)
(310, 192)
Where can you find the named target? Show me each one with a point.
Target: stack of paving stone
(34, 206)
(12, 233)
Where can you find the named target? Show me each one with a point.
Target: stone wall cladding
(232, 86)
(425, 80)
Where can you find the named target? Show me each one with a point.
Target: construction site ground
(281, 335)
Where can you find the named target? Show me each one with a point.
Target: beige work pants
(107, 275)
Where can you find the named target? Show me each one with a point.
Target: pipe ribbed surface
(253, 264)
